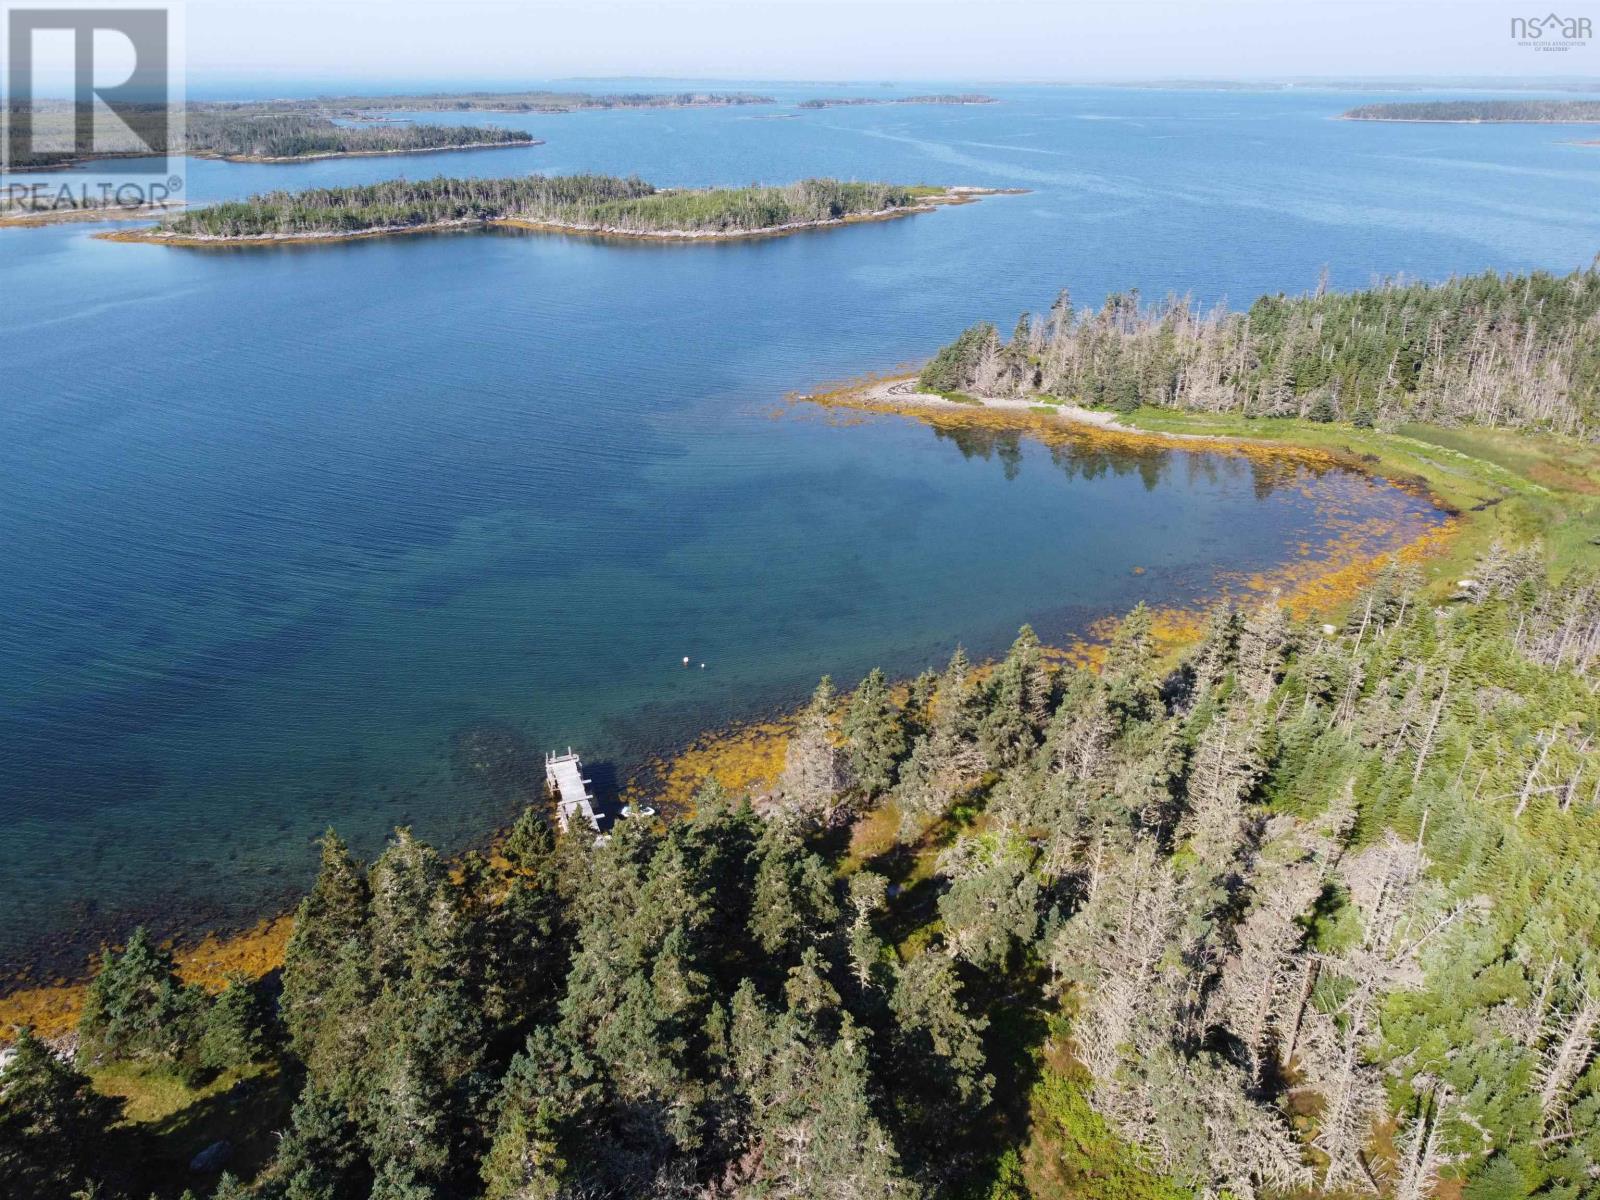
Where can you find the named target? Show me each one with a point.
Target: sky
(983, 40)
(284, 47)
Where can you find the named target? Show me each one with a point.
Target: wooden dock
(563, 773)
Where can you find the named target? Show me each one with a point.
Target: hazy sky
(510, 40)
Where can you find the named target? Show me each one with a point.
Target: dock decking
(564, 775)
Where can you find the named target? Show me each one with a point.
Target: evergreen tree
(137, 1008)
(1019, 700)
(330, 942)
(237, 1027)
(54, 1127)
(992, 903)
(814, 1133)
(1132, 691)
(320, 1156)
(939, 1063)
(547, 1120)
(873, 736)
(793, 900)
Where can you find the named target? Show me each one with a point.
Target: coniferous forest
(248, 132)
(291, 128)
(1534, 110)
(1513, 351)
(302, 135)
(1303, 912)
(581, 201)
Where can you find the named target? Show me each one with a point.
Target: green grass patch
(244, 1107)
(1072, 1153)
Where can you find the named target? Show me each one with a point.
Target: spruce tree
(330, 942)
(236, 1030)
(137, 1008)
(1019, 702)
(873, 735)
(54, 1126)
(320, 1156)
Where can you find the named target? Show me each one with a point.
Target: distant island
(291, 130)
(288, 136)
(268, 133)
(1474, 112)
(856, 101)
(536, 101)
(592, 204)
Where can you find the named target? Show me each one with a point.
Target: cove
(351, 535)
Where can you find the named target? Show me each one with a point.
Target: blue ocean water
(352, 534)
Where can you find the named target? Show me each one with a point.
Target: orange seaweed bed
(52, 1009)
(747, 757)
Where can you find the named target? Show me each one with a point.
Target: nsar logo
(1552, 32)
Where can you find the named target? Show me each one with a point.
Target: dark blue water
(352, 534)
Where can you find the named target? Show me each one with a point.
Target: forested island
(1295, 910)
(1546, 112)
(285, 130)
(268, 133)
(599, 204)
(1519, 351)
(245, 136)
(535, 101)
(855, 101)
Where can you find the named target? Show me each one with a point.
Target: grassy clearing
(176, 1121)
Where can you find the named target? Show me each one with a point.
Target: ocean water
(351, 535)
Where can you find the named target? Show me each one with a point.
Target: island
(1481, 112)
(291, 130)
(858, 101)
(254, 133)
(534, 101)
(588, 204)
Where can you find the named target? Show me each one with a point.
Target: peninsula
(590, 204)
(1481, 112)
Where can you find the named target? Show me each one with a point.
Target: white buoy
(686, 660)
(702, 666)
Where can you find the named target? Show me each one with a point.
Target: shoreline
(748, 753)
(1047, 420)
(899, 394)
(950, 196)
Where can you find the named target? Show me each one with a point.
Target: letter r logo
(115, 65)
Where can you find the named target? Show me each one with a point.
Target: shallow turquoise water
(352, 534)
